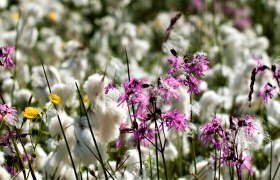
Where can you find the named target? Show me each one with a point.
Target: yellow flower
(52, 16)
(54, 98)
(85, 99)
(30, 113)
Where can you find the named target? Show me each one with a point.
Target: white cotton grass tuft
(255, 140)
(52, 144)
(56, 162)
(95, 85)
(273, 112)
(126, 175)
(4, 173)
(85, 147)
(109, 124)
(23, 96)
(202, 168)
(67, 124)
(2, 158)
(132, 162)
(40, 155)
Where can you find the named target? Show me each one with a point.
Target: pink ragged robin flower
(243, 161)
(6, 113)
(267, 92)
(169, 88)
(212, 132)
(198, 65)
(143, 133)
(260, 67)
(12, 171)
(192, 83)
(109, 87)
(176, 62)
(175, 120)
(6, 53)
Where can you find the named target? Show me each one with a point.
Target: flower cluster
(144, 98)
(188, 70)
(232, 142)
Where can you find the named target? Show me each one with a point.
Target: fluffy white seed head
(95, 85)
(85, 147)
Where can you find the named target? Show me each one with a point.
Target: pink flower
(109, 87)
(6, 113)
(213, 132)
(198, 65)
(260, 67)
(143, 133)
(168, 88)
(175, 120)
(12, 171)
(192, 83)
(135, 93)
(176, 63)
(266, 93)
(243, 161)
(5, 53)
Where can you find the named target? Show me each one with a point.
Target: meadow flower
(6, 113)
(5, 53)
(243, 161)
(54, 98)
(176, 62)
(168, 88)
(212, 132)
(198, 65)
(12, 170)
(267, 92)
(192, 83)
(30, 113)
(176, 120)
(260, 67)
(143, 133)
(109, 87)
(134, 93)
(5, 138)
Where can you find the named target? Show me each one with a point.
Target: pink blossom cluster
(226, 140)
(144, 98)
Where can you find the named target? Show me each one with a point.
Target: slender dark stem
(215, 164)
(270, 164)
(276, 171)
(220, 164)
(133, 110)
(60, 124)
(162, 153)
(99, 160)
(193, 149)
(156, 144)
(91, 132)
